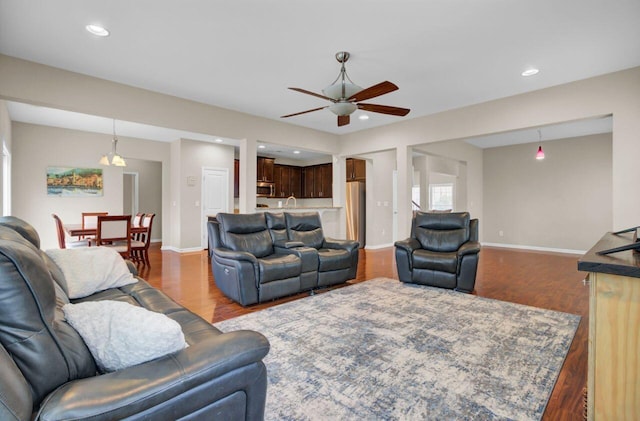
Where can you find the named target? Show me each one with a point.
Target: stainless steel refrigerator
(356, 211)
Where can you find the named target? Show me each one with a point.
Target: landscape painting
(74, 182)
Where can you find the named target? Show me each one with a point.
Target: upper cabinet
(288, 180)
(318, 181)
(356, 169)
(265, 169)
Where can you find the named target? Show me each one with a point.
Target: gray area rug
(384, 350)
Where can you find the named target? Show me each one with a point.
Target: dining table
(76, 230)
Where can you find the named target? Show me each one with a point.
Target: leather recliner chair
(442, 251)
(337, 259)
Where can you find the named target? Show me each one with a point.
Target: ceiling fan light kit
(345, 96)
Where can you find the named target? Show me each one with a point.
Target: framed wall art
(74, 182)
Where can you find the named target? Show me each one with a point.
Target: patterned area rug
(381, 350)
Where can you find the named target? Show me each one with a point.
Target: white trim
(178, 250)
(536, 248)
(378, 246)
(204, 237)
(135, 194)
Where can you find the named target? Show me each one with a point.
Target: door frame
(204, 238)
(135, 202)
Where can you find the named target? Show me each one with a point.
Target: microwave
(265, 189)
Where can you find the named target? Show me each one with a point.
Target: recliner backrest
(441, 232)
(245, 232)
(47, 351)
(277, 226)
(305, 227)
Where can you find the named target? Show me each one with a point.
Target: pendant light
(540, 153)
(112, 158)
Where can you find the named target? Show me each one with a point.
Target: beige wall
(616, 94)
(5, 136)
(562, 202)
(149, 191)
(379, 198)
(194, 157)
(37, 147)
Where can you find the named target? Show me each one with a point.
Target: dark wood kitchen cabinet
(288, 180)
(265, 169)
(318, 181)
(236, 178)
(356, 169)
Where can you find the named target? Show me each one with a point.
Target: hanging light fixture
(112, 158)
(540, 153)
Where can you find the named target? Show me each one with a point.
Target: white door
(215, 196)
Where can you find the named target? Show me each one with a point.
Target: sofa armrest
(332, 243)
(226, 253)
(132, 267)
(288, 244)
(141, 390)
(470, 247)
(408, 245)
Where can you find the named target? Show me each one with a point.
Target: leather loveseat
(262, 256)
(48, 373)
(442, 251)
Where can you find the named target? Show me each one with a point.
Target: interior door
(215, 196)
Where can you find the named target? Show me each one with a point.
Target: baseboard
(379, 246)
(178, 250)
(536, 248)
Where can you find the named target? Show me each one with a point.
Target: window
(415, 198)
(441, 196)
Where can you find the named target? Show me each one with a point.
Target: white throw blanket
(91, 269)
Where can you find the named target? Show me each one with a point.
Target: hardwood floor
(544, 280)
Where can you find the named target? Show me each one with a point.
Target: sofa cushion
(277, 226)
(442, 232)
(333, 259)
(305, 227)
(245, 232)
(91, 269)
(279, 266)
(121, 335)
(443, 262)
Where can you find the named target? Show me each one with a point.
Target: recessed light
(219, 140)
(261, 146)
(530, 72)
(364, 117)
(296, 152)
(97, 30)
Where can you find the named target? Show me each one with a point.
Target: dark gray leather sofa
(47, 372)
(262, 256)
(442, 251)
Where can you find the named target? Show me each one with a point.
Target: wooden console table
(613, 388)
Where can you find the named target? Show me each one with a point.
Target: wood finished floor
(544, 280)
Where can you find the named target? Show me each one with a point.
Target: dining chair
(137, 222)
(90, 220)
(62, 240)
(140, 247)
(114, 231)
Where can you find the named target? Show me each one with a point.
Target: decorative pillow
(120, 335)
(91, 269)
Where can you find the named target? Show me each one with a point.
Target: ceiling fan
(345, 96)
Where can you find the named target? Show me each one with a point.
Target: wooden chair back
(59, 231)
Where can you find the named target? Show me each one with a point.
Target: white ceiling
(243, 55)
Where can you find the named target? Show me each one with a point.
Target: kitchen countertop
(299, 208)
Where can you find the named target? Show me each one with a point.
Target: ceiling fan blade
(343, 120)
(373, 91)
(384, 109)
(304, 91)
(303, 112)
